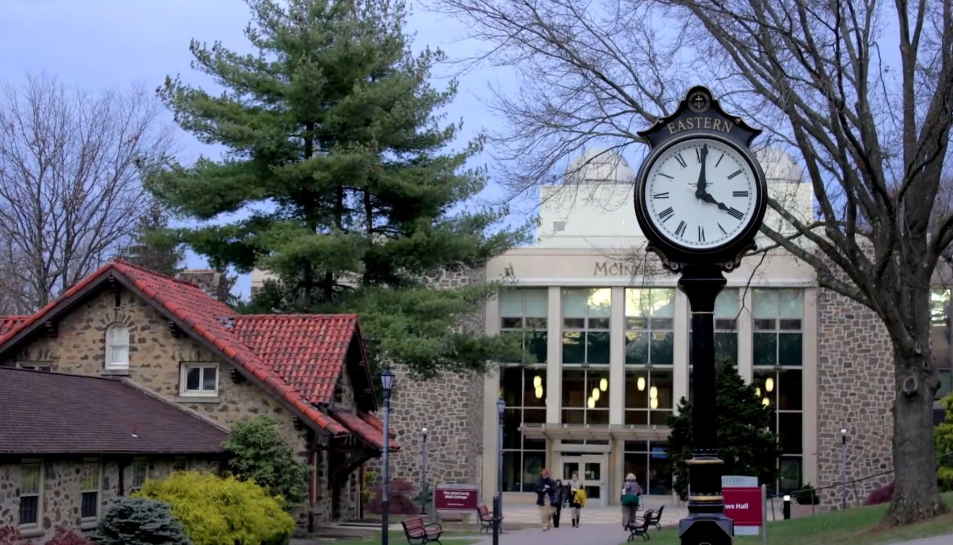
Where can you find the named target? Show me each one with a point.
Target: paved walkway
(529, 514)
(600, 526)
(601, 533)
(938, 540)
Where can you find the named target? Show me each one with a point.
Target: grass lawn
(849, 527)
(398, 538)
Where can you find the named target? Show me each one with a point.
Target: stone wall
(155, 357)
(856, 391)
(61, 496)
(449, 406)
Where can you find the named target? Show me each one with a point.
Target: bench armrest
(434, 525)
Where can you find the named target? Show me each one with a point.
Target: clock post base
(706, 529)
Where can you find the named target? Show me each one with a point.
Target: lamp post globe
(387, 385)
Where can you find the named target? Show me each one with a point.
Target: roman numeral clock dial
(700, 193)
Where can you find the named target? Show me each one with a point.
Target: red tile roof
(7, 323)
(307, 350)
(299, 358)
(376, 424)
(54, 413)
(356, 424)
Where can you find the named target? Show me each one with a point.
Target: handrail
(838, 484)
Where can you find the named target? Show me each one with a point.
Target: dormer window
(117, 347)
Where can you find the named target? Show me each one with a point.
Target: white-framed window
(117, 347)
(89, 489)
(140, 472)
(199, 379)
(31, 485)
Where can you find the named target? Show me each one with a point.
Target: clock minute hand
(702, 184)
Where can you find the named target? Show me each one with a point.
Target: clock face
(700, 194)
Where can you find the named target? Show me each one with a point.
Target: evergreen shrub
(222, 511)
(136, 521)
(257, 452)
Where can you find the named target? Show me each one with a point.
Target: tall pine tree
(745, 441)
(341, 170)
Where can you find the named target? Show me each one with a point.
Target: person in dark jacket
(560, 498)
(545, 492)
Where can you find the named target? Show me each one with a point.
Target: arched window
(117, 347)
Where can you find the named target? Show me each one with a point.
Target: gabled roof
(55, 413)
(297, 358)
(308, 350)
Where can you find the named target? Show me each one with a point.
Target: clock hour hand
(706, 197)
(702, 182)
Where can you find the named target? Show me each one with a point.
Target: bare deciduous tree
(859, 92)
(70, 192)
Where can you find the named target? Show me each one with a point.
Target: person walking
(545, 492)
(576, 496)
(631, 497)
(560, 499)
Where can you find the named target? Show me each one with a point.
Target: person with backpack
(631, 497)
(577, 498)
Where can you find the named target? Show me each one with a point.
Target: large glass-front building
(609, 355)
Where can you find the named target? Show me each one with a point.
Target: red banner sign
(743, 505)
(455, 499)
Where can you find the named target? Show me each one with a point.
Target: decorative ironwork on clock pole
(700, 199)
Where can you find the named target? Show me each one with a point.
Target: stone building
(610, 338)
(170, 338)
(60, 471)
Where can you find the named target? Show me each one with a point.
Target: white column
(809, 386)
(554, 349)
(680, 352)
(745, 344)
(617, 358)
(491, 393)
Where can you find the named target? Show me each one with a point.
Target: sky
(94, 44)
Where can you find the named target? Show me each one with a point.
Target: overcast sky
(105, 43)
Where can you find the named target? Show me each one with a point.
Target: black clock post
(702, 268)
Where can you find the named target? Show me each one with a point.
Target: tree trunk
(916, 496)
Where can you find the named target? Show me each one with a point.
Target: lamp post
(498, 499)
(387, 383)
(843, 468)
(423, 470)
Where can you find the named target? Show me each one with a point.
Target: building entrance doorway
(591, 469)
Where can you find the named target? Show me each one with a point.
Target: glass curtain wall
(649, 462)
(940, 340)
(523, 315)
(586, 314)
(778, 339)
(649, 387)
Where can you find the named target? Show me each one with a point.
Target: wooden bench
(418, 532)
(486, 519)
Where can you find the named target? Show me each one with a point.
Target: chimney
(206, 280)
